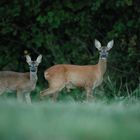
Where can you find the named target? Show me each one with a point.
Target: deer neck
(102, 65)
(33, 77)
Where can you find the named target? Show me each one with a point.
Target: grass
(97, 120)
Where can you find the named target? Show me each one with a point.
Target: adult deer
(87, 77)
(22, 83)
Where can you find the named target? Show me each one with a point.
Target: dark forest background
(63, 31)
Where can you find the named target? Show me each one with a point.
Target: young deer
(87, 77)
(22, 83)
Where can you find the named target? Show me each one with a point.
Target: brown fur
(64, 75)
(21, 83)
(87, 77)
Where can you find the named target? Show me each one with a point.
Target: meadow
(70, 120)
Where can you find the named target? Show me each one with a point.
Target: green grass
(97, 120)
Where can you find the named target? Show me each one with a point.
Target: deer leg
(49, 91)
(54, 88)
(55, 95)
(89, 94)
(28, 98)
(69, 86)
(19, 96)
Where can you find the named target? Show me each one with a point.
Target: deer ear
(110, 44)
(39, 58)
(97, 44)
(28, 59)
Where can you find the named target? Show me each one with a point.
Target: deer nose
(104, 55)
(32, 69)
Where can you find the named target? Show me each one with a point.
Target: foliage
(64, 32)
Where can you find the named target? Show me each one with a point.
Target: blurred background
(63, 31)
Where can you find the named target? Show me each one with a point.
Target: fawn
(87, 77)
(22, 83)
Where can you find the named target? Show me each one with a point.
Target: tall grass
(97, 120)
(110, 116)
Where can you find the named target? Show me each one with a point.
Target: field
(46, 120)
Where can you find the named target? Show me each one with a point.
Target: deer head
(104, 50)
(33, 64)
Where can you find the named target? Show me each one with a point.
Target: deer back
(10, 80)
(77, 75)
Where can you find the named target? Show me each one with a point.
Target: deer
(87, 77)
(21, 83)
